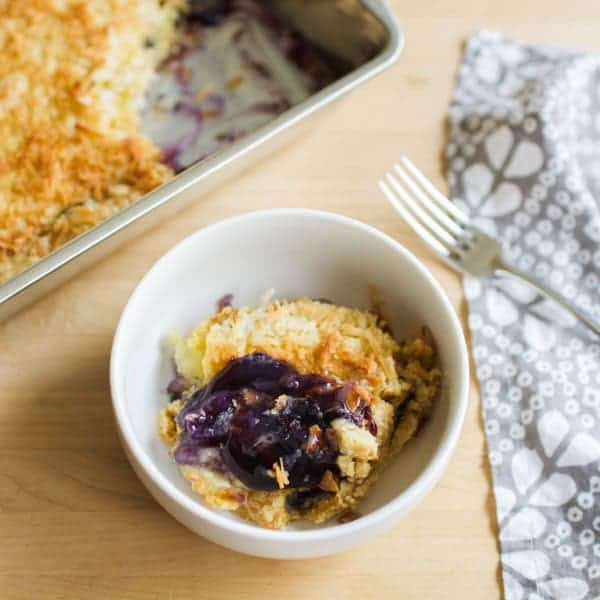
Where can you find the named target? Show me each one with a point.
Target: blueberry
(237, 417)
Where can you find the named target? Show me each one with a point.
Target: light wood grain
(75, 521)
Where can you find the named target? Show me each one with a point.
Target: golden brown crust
(71, 77)
(314, 337)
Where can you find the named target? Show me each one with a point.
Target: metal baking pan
(368, 53)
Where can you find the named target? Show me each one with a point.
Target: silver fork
(449, 232)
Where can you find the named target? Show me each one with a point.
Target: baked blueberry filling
(259, 414)
(234, 67)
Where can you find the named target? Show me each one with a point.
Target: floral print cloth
(524, 161)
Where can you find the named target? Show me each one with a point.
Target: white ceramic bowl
(298, 253)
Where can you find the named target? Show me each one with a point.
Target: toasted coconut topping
(72, 76)
(280, 473)
(341, 342)
(353, 399)
(355, 395)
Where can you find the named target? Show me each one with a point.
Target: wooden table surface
(75, 522)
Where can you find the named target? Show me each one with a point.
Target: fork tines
(430, 214)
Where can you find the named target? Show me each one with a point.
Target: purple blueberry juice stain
(176, 387)
(224, 302)
(236, 423)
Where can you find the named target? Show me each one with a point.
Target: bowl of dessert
(288, 383)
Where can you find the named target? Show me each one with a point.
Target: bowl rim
(403, 501)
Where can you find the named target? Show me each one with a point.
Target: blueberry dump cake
(290, 410)
(102, 101)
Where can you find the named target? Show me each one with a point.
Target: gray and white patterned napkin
(524, 160)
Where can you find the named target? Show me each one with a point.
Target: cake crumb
(328, 482)
(348, 516)
(234, 82)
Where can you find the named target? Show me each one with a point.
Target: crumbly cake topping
(72, 76)
(315, 337)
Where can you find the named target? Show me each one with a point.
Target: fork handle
(504, 268)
